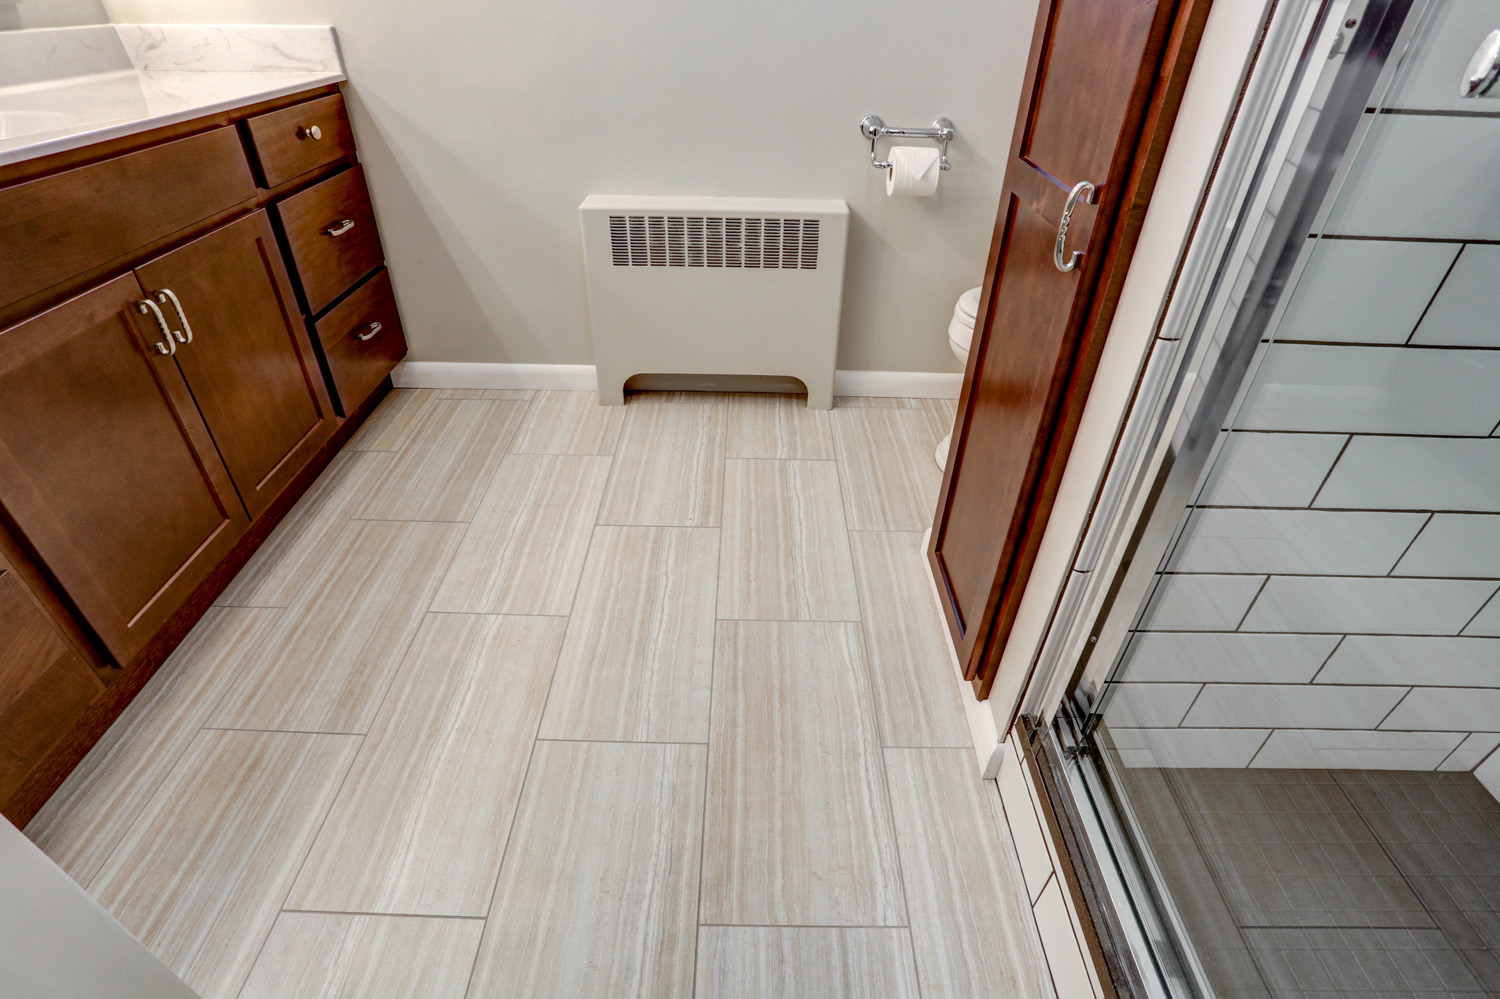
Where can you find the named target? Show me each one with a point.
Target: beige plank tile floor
(637, 661)
(377, 785)
(786, 548)
(886, 467)
(539, 510)
(600, 886)
(569, 423)
(493, 395)
(420, 823)
(332, 653)
(764, 962)
(201, 874)
(327, 955)
(447, 464)
(669, 467)
(797, 830)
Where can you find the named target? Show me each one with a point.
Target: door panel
(106, 468)
(1103, 83)
(250, 364)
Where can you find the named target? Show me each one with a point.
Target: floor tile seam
(713, 675)
(388, 915)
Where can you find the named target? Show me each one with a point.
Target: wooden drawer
(45, 686)
(330, 230)
(358, 365)
(294, 140)
(56, 227)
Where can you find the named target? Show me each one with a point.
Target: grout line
(1246, 616)
(625, 742)
(388, 915)
(1326, 660)
(278, 731)
(1470, 621)
(1397, 564)
(1436, 292)
(713, 668)
(804, 926)
(1329, 474)
(1388, 714)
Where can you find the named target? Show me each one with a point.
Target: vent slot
(713, 241)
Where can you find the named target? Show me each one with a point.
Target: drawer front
(56, 227)
(330, 229)
(358, 365)
(294, 140)
(45, 685)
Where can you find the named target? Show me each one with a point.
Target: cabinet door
(45, 687)
(106, 468)
(249, 360)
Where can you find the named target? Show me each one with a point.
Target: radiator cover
(715, 286)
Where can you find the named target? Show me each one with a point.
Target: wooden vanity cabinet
(249, 361)
(106, 467)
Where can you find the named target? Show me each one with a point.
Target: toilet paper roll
(913, 171)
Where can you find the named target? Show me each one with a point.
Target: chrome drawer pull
(373, 329)
(309, 132)
(167, 295)
(1060, 258)
(340, 229)
(147, 308)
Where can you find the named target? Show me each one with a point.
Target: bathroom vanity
(194, 316)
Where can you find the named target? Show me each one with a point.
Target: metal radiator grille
(713, 241)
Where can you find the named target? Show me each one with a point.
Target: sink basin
(14, 123)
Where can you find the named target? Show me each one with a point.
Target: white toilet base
(941, 454)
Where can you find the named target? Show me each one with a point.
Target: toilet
(960, 335)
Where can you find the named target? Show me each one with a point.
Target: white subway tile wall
(1332, 601)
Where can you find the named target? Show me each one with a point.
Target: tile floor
(533, 698)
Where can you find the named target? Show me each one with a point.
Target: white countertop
(61, 88)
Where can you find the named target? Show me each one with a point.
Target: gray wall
(484, 125)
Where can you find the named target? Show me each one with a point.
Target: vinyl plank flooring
(875, 402)
(394, 421)
(760, 962)
(569, 423)
(777, 426)
(637, 660)
(890, 481)
(421, 821)
(85, 817)
(525, 547)
(300, 543)
(970, 923)
(916, 692)
(447, 464)
(331, 655)
(798, 830)
(491, 395)
(599, 886)
(786, 548)
(322, 955)
(200, 876)
(669, 468)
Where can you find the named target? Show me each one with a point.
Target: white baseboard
(988, 748)
(580, 377)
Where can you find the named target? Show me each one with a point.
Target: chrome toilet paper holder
(872, 127)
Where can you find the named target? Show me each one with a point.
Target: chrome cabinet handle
(167, 295)
(340, 229)
(309, 132)
(1483, 70)
(373, 329)
(148, 308)
(1083, 191)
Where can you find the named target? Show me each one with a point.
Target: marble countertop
(61, 88)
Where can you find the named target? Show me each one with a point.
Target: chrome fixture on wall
(1483, 69)
(872, 127)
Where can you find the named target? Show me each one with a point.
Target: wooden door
(1103, 83)
(106, 468)
(250, 362)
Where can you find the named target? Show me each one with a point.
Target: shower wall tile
(1271, 469)
(1487, 621)
(1262, 705)
(1365, 291)
(1374, 390)
(1150, 705)
(1228, 658)
(1463, 313)
(1471, 752)
(1404, 661)
(1447, 709)
(1429, 81)
(1187, 747)
(1200, 602)
(1423, 175)
(1319, 749)
(1406, 473)
(1455, 544)
(1347, 605)
(1343, 543)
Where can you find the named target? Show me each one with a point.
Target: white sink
(14, 123)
